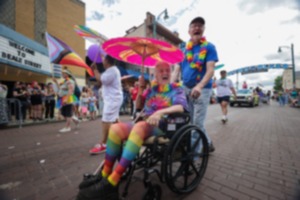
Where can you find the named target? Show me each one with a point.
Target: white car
(245, 96)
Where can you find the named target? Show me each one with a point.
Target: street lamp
(293, 61)
(166, 16)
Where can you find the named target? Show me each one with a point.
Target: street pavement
(257, 157)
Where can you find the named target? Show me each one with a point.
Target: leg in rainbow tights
(136, 134)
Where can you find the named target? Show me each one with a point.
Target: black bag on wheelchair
(172, 122)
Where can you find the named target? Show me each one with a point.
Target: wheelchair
(181, 166)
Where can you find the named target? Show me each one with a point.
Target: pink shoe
(99, 148)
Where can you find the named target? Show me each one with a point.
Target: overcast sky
(244, 32)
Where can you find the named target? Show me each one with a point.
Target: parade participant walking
(224, 90)
(67, 99)
(197, 70)
(112, 97)
(163, 98)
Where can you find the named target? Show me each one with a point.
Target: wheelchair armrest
(184, 115)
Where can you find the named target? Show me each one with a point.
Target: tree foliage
(278, 83)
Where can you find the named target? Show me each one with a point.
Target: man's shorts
(67, 110)
(225, 98)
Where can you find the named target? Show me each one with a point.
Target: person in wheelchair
(161, 99)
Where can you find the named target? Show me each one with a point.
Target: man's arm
(175, 73)
(233, 92)
(155, 117)
(210, 70)
(170, 110)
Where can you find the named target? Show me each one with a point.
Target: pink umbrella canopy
(142, 51)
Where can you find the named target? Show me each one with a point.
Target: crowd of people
(37, 101)
(42, 102)
(287, 97)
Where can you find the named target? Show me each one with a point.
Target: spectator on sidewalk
(133, 93)
(20, 92)
(126, 97)
(268, 96)
(36, 99)
(3, 104)
(92, 104)
(50, 95)
(84, 103)
(294, 97)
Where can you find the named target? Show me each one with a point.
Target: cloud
(284, 57)
(292, 21)
(252, 77)
(100, 16)
(95, 15)
(259, 6)
(264, 79)
(109, 3)
(255, 6)
(174, 18)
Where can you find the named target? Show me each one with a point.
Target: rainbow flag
(89, 34)
(60, 53)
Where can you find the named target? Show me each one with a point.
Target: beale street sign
(23, 55)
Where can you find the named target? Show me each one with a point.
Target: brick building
(23, 23)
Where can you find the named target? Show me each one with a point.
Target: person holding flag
(66, 99)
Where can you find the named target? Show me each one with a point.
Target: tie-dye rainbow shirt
(163, 96)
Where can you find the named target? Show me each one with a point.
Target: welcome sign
(20, 54)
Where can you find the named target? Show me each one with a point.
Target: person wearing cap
(224, 90)
(66, 99)
(112, 97)
(197, 70)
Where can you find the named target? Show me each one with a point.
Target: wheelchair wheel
(183, 166)
(153, 193)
